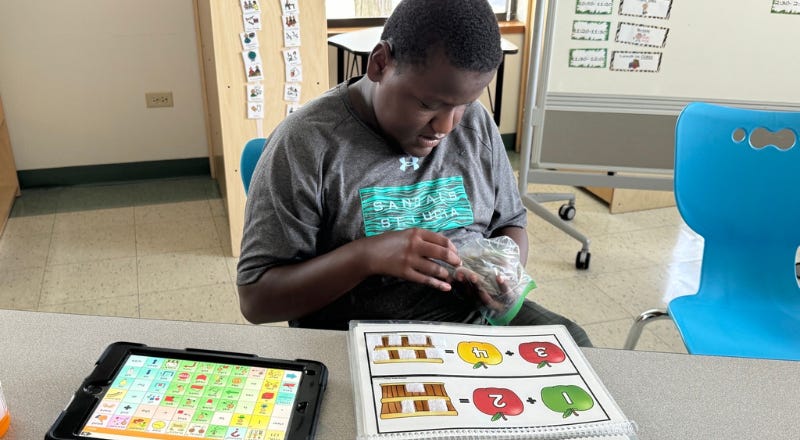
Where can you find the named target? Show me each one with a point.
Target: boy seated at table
(364, 195)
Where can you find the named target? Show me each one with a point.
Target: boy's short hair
(466, 30)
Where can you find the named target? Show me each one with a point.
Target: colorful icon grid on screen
(170, 398)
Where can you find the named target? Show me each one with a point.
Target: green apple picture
(567, 399)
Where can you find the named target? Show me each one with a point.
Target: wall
(73, 75)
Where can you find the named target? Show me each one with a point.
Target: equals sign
(449, 351)
(463, 400)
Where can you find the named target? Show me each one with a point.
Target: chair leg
(638, 326)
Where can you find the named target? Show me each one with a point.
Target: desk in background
(45, 356)
(360, 43)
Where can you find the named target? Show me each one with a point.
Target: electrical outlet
(158, 99)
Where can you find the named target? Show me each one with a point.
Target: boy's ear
(379, 61)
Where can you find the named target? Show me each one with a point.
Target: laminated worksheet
(440, 380)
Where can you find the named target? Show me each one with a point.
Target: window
(374, 12)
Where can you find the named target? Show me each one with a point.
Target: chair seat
(741, 330)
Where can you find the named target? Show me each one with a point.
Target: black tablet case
(304, 415)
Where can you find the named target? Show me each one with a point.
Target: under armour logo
(405, 163)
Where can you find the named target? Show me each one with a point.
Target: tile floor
(158, 249)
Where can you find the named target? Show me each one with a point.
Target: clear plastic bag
(484, 261)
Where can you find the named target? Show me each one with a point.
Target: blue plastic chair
(738, 186)
(250, 155)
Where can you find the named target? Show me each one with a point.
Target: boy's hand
(409, 254)
(469, 286)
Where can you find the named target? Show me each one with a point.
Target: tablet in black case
(141, 392)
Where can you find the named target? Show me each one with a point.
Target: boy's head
(434, 59)
(464, 31)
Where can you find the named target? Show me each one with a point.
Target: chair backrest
(250, 155)
(737, 183)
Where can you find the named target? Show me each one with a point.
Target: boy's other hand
(409, 254)
(470, 288)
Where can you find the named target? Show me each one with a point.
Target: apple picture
(479, 354)
(497, 402)
(541, 353)
(566, 399)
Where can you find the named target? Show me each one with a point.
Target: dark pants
(534, 314)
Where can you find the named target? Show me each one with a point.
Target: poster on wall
(602, 7)
(590, 30)
(250, 6)
(252, 21)
(291, 92)
(641, 35)
(289, 6)
(635, 61)
(294, 73)
(291, 37)
(255, 92)
(291, 56)
(253, 67)
(588, 58)
(645, 8)
(785, 7)
(255, 110)
(249, 40)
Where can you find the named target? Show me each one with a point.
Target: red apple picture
(497, 402)
(541, 353)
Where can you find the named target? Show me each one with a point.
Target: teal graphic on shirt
(436, 205)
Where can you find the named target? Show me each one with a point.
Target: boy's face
(418, 106)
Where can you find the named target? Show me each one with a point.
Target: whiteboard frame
(538, 101)
(535, 106)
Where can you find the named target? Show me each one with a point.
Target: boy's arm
(520, 237)
(292, 291)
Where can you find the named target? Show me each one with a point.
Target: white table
(670, 396)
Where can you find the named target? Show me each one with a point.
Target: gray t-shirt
(326, 178)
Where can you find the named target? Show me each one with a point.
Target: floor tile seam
(4, 233)
(62, 230)
(6, 236)
(541, 281)
(133, 257)
(671, 228)
(138, 289)
(193, 286)
(174, 220)
(136, 264)
(608, 321)
(615, 301)
(609, 298)
(87, 260)
(217, 247)
(77, 205)
(44, 270)
(63, 303)
(657, 336)
(92, 230)
(12, 268)
(173, 202)
(583, 274)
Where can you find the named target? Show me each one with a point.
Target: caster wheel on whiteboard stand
(566, 212)
(582, 260)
